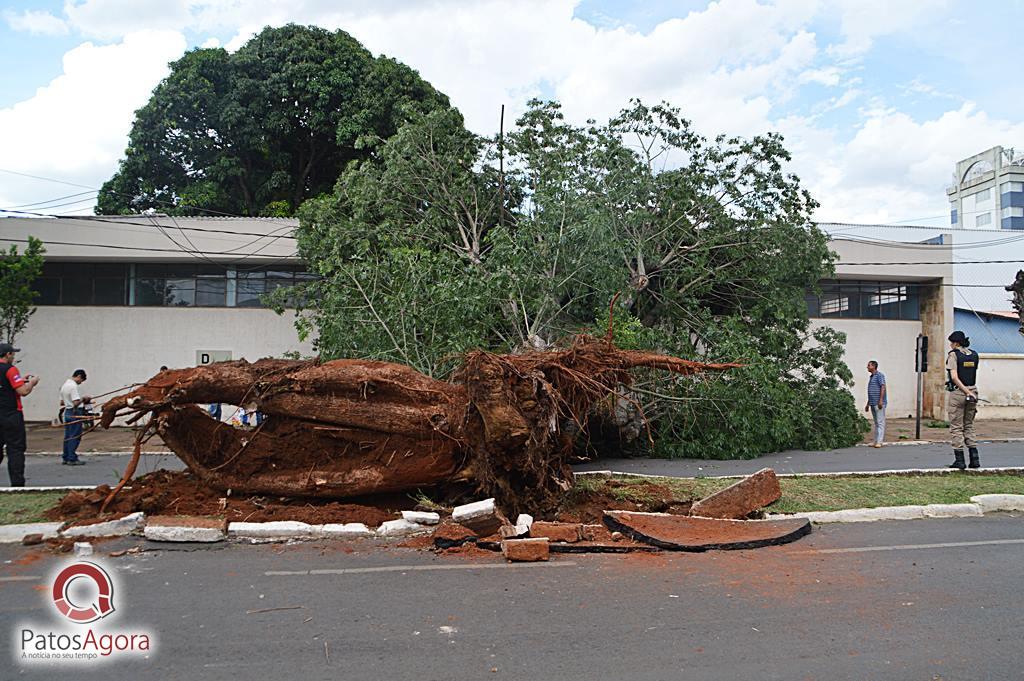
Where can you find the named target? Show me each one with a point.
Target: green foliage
(426, 251)
(18, 272)
(258, 131)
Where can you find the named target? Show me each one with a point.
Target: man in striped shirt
(877, 401)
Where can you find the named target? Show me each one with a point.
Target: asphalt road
(895, 600)
(46, 469)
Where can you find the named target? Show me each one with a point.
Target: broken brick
(525, 550)
(741, 499)
(564, 532)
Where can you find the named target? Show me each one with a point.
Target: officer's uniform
(962, 409)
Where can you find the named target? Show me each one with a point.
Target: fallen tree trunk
(356, 427)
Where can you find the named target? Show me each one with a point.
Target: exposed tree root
(355, 427)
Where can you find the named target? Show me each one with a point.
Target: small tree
(17, 274)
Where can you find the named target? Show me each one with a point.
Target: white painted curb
(12, 534)
(980, 504)
(111, 528)
(178, 533)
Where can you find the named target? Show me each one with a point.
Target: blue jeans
(72, 432)
(878, 414)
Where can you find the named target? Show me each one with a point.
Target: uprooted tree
(505, 424)
(443, 242)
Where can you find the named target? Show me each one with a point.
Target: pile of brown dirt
(589, 506)
(180, 493)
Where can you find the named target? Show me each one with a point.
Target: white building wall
(122, 345)
(1001, 382)
(890, 343)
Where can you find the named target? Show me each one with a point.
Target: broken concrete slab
(13, 534)
(344, 531)
(400, 528)
(525, 550)
(483, 517)
(32, 539)
(999, 502)
(185, 529)
(421, 517)
(110, 528)
(556, 532)
(739, 500)
(688, 533)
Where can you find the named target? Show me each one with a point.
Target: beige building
(882, 306)
(121, 296)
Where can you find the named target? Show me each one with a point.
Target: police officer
(13, 386)
(962, 373)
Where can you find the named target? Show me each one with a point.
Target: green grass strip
(26, 507)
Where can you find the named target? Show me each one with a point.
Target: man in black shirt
(13, 386)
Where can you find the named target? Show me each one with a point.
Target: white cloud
(731, 67)
(76, 127)
(35, 22)
(894, 167)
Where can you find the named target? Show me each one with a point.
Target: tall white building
(988, 191)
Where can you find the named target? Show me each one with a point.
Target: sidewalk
(902, 430)
(42, 437)
(851, 459)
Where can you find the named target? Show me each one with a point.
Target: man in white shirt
(74, 416)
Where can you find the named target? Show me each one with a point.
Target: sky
(877, 99)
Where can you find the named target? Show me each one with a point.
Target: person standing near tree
(962, 373)
(74, 415)
(877, 401)
(13, 386)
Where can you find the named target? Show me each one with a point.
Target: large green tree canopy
(258, 131)
(428, 249)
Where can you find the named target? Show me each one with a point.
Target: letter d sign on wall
(204, 357)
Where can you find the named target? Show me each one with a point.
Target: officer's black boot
(958, 459)
(975, 461)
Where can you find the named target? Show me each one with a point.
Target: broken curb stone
(563, 532)
(421, 517)
(739, 500)
(185, 529)
(110, 528)
(400, 528)
(483, 517)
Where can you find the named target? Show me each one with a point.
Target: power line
(59, 198)
(137, 248)
(131, 196)
(107, 220)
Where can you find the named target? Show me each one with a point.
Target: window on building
(952, 216)
(1013, 212)
(161, 284)
(982, 196)
(1007, 187)
(69, 283)
(865, 300)
(983, 219)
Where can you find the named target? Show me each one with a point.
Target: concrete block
(110, 528)
(999, 502)
(421, 517)
(563, 532)
(523, 523)
(483, 517)
(185, 529)
(400, 528)
(172, 533)
(739, 500)
(32, 539)
(274, 529)
(525, 550)
(13, 534)
(83, 548)
(344, 531)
